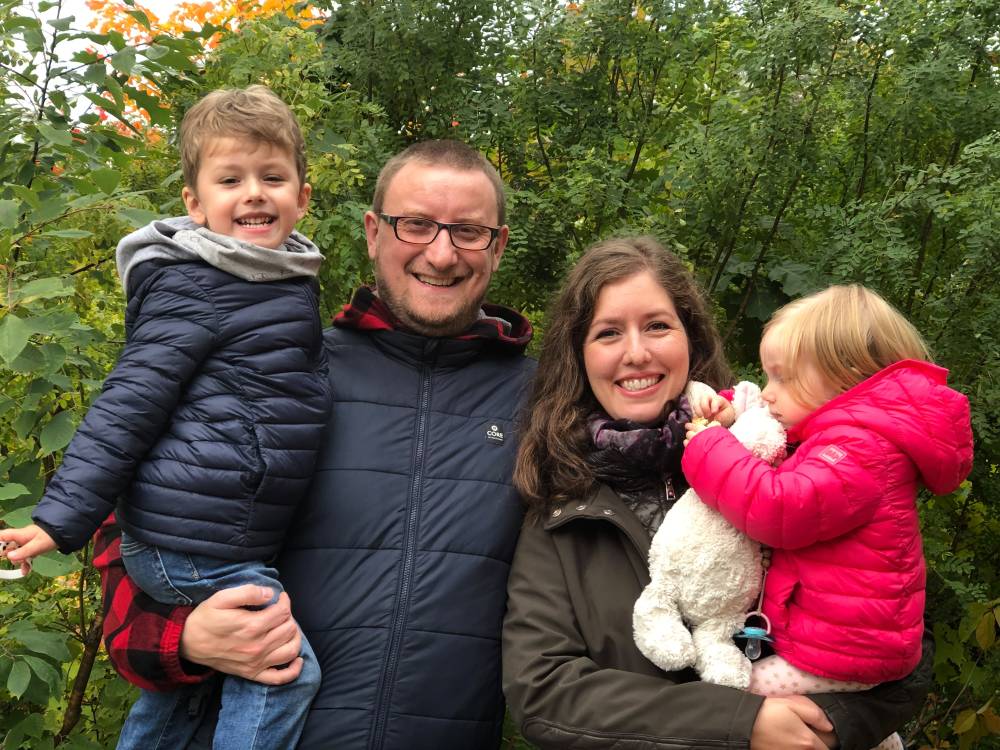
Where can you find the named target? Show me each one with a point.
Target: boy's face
(247, 190)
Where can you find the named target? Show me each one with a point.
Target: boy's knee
(311, 676)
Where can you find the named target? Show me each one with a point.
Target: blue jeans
(253, 716)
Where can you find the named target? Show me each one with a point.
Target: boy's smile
(247, 190)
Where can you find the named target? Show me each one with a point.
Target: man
(398, 560)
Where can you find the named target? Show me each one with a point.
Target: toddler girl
(868, 419)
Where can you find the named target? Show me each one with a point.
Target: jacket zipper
(388, 680)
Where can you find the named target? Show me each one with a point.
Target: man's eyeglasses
(419, 231)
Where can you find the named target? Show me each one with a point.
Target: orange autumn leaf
(114, 15)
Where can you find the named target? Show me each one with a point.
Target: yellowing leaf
(986, 630)
(965, 721)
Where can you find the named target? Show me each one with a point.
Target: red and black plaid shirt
(141, 634)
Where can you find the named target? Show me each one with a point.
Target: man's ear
(193, 206)
(371, 232)
(499, 246)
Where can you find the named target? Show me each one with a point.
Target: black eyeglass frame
(393, 220)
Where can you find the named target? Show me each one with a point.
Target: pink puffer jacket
(845, 592)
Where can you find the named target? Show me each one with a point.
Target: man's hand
(253, 644)
(792, 722)
(31, 541)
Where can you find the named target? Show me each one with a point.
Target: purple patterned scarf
(636, 461)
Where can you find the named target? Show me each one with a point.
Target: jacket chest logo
(832, 454)
(494, 434)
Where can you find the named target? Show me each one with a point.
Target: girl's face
(636, 350)
(790, 396)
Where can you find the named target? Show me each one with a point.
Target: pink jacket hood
(910, 404)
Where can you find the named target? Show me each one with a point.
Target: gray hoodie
(180, 238)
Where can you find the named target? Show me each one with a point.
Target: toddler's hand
(31, 542)
(695, 426)
(715, 408)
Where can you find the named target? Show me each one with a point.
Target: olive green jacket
(574, 678)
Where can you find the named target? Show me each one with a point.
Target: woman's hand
(253, 644)
(791, 723)
(695, 426)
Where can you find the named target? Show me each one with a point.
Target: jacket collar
(505, 327)
(603, 504)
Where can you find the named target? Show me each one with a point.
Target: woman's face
(636, 350)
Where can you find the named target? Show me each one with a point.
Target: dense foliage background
(780, 145)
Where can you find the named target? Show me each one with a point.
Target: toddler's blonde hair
(847, 333)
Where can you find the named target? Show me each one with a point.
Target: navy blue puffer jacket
(398, 558)
(207, 429)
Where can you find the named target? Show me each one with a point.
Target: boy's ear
(304, 194)
(193, 206)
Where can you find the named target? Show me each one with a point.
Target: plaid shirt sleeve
(142, 635)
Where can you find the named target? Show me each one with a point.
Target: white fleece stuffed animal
(706, 573)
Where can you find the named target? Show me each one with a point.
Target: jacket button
(581, 507)
(608, 512)
(557, 512)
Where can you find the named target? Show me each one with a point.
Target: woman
(599, 466)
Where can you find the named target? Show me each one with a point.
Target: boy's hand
(31, 542)
(695, 426)
(715, 408)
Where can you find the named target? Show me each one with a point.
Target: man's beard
(454, 324)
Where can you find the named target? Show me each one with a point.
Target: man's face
(435, 289)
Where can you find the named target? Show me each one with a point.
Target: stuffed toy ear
(761, 434)
(746, 395)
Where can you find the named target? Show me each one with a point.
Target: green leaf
(31, 726)
(55, 564)
(14, 335)
(24, 423)
(46, 672)
(29, 360)
(123, 61)
(137, 217)
(9, 211)
(12, 490)
(61, 137)
(57, 433)
(19, 517)
(106, 179)
(19, 678)
(49, 287)
(45, 642)
(139, 16)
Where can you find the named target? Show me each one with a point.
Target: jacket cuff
(176, 667)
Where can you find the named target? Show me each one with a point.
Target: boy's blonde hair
(847, 333)
(254, 113)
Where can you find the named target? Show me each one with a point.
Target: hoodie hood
(910, 404)
(181, 239)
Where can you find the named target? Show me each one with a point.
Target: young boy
(206, 432)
